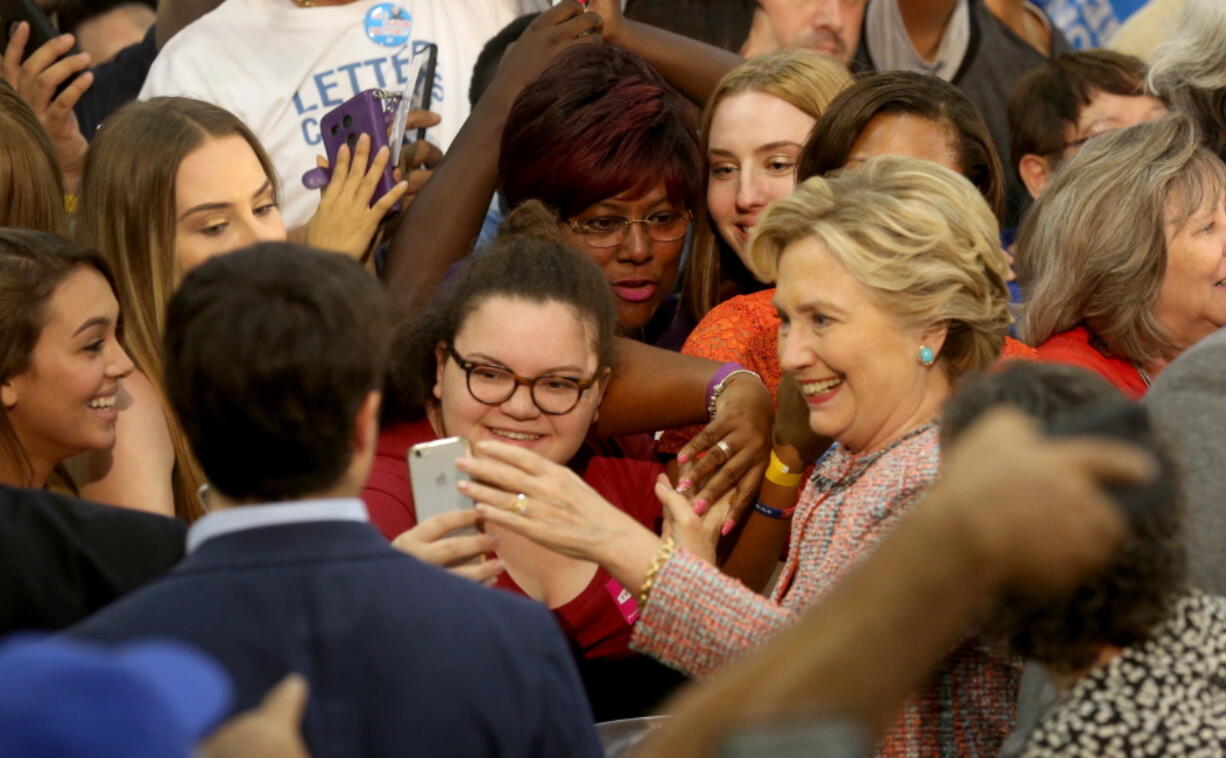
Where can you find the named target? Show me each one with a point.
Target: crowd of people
(835, 376)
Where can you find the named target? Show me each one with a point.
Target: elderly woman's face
(1192, 300)
(857, 367)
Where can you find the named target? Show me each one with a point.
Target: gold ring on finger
(521, 503)
(724, 448)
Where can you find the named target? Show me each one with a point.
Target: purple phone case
(360, 114)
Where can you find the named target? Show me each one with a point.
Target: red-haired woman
(601, 139)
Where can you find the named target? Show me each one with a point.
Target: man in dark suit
(273, 358)
(61, 558)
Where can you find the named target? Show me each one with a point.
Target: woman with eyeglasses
(603, 141)
(521, 351)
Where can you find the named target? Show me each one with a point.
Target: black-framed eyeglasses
(611, 231)
(494, 385)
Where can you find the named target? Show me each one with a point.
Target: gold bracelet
(780, 473)
(667, 548)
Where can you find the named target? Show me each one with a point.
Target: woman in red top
(1123, 257)
(521, 351)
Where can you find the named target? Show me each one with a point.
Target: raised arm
(693, 67)
(441, 224)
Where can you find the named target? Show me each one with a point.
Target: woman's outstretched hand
(735, 450)
(550, 505)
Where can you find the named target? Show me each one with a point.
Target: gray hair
(1189, 70)
(1093, 248)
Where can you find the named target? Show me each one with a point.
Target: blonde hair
(801, 78)
(127, 212)
(1093, 248)
(917, 235)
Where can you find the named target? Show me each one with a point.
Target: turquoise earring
(926, 356)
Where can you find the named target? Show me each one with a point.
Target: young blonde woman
(753, 129)
(170, 183)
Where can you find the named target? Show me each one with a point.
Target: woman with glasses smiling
(521, 351)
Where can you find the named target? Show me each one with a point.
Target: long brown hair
(127, 212)
(31, 188)
(801, 78)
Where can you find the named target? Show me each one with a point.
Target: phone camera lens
(334, 129)
(347, 121)
(351, 140)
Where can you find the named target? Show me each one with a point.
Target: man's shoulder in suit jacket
(62, 558)
(402, 658)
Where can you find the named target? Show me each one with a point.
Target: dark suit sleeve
(566, 727)
(61, 558)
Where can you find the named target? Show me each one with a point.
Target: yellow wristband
(779, 473)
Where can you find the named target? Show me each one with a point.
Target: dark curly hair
(1123, 602)
(527, 260)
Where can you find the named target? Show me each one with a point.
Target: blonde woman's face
(223, 202)
(1191, 302)
(754, 143)
(858, 369)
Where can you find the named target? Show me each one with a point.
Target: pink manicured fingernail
(729, 525)
(684, 485)
(701, 507)
(682, 458)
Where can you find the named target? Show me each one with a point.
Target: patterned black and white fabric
(1166, 697)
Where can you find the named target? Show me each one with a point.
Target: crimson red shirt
(1076, 346)
(623, 471)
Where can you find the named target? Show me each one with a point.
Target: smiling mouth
(514, 436)
(819, 388)
(103, 403)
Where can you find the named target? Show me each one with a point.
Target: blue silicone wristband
(766, 510)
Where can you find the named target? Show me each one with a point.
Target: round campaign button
(388, 24)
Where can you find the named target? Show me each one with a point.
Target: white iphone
(434, 477)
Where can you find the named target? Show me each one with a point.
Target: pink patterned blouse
(697, 618)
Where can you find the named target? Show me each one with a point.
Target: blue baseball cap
(66, 698)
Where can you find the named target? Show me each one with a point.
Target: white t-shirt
(280, 68)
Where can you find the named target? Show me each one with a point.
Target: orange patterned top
(743, 329)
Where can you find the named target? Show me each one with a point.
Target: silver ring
(521, 503)
(725, 448)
